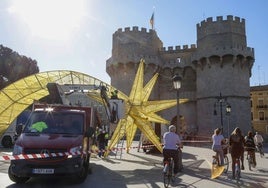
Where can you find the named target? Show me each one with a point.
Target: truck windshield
(55, 123)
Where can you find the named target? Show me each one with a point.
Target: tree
(14, 66)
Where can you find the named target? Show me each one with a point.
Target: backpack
(249, 142)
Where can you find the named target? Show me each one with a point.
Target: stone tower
(129, 47)
(223, 66)
(220, 63)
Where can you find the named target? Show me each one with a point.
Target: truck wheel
(89, 170)
(82, 175)
(7, 142)
(15, 178)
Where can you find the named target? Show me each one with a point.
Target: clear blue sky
(77, 34)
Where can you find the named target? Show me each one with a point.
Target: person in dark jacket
(101, 143)
(250, 146)
(237, 142)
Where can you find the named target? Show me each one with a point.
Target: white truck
(8, 138)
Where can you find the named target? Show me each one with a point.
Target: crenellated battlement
(133, 42)
(134, 29)
(229, 30)
(219, 19)
(124, 59)
(221, 32)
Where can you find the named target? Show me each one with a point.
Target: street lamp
(177, 85)
(228, 112)
(222, 102)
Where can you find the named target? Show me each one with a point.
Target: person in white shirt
(258, 139)
(217, 140)
(172, 145)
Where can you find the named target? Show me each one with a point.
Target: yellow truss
(140, 112)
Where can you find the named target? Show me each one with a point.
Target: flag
(152, 21)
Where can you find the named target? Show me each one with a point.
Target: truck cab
(57, 137)
(63, 134)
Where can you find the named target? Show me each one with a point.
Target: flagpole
(152, 21)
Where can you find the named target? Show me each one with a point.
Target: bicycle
(216, 160)
(168, 172)
(250, 159)
(237, 169)
(260, 149)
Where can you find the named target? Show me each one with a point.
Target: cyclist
(250, 146)
(218, 139)
(237, 142)
(171, 142)
(258, 140)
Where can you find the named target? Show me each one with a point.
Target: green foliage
(14, 66)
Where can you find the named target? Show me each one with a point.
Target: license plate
(43, 171)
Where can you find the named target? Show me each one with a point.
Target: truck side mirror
(19, 129)
(90, 132)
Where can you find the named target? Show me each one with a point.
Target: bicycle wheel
(237, 176)
(214, 161)
(172, 176)
(261, 152)
(166, 180)
(167, 177)
(249, 162)
(226, 164)
(237, 170)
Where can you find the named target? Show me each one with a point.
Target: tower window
(178, 60)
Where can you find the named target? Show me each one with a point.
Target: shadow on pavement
(151, 177)
(99, 174)
(185, 155)
(247, 179)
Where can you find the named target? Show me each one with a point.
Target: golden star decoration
(140, 112)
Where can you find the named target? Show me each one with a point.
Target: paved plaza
(141, 170)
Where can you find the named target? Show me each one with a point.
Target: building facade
(259, 108)
(219, 64)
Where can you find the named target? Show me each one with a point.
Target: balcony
(262, 106)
